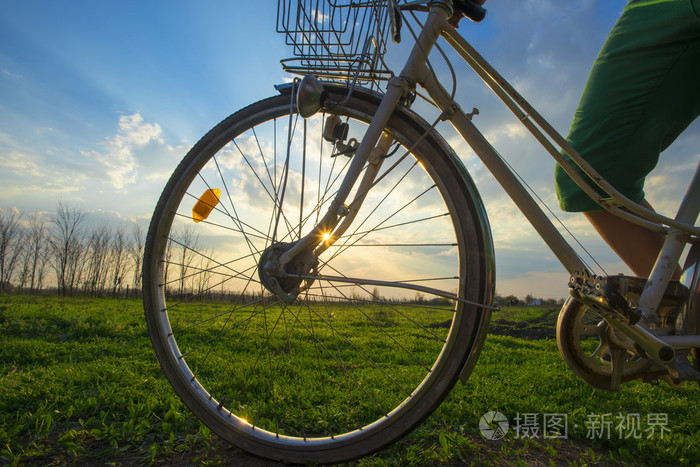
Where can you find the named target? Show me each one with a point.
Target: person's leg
(642, 92)
(637, 246)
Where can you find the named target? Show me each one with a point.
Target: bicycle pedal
(607, 295)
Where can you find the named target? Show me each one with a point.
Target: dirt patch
(531, 452)
(540, 327)
(522, 330)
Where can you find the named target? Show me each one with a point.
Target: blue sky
(100, 100)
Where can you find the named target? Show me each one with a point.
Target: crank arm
(656, 348)
(617, 360)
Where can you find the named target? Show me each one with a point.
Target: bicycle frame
(267, 364)
(679, 231)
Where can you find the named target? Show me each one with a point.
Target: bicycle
(294, 321)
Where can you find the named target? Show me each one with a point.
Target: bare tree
(76, 264)
(41, 268)
(97, 260)
(36, 251)
(10, 245)
(67, 246)
(118, 253)
(23, 276)
(187, 245)
(204, 276)
(136, 252)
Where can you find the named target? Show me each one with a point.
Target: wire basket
(336, 40)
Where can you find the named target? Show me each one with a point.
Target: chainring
(590, 348)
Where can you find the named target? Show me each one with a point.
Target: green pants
(642, 92)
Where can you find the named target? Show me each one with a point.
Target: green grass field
(80, 384)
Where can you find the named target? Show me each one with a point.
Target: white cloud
(665, 186)
(118, 159)
(133, 130)
(20, 164)
(512, 132)
(11, 74)
(158, 177)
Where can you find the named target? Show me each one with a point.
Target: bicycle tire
(364, 349)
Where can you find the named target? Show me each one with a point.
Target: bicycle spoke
(282, 191)
(345, 246)
(233, 217)
(404, 315)
(367, 358)
(394, 226)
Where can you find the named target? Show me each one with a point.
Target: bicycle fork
(299, 259)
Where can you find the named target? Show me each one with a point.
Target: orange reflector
(205, 204)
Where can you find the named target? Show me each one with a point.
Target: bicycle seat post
(667, 260)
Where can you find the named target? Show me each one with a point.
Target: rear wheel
(347, 367)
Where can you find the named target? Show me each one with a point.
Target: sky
(100, 100)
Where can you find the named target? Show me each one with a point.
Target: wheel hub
(284, 280)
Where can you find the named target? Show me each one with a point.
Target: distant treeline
(62, 253)
(44, 253)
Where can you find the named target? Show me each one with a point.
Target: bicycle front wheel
(351, 364)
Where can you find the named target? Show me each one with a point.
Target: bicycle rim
(347, 367)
